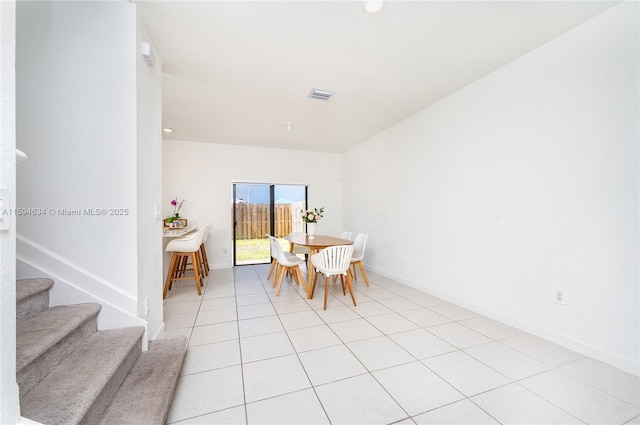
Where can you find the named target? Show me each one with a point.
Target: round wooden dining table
(315, 243)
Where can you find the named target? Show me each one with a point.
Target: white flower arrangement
(312, 216)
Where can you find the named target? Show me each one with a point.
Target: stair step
(82, 386)
(32, 297)
(46, 339)
(146, 393)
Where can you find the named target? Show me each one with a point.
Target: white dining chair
(346, 235)
(274, 260)
(333, 261)
(359, 245)
(286, 264)
(301, 250)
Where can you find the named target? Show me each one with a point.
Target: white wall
(204, 173)
(149, 186)
(9, 403)
(524, 182)
(76, 119)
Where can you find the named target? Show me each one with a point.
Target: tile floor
(400, 356)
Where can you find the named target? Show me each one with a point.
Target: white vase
(311, 228)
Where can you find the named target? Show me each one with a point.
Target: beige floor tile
(379, 353)
(422, 344)
(266, 346)
(416, 388)
(465, 373)
(509, 362)
(298, 408)
(461, 412)
(330, 364)
(359, 400)
(583, 401)
(232, 416)
(273, 377)
(206, 392)
(200, 358)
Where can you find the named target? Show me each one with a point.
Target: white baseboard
(73, 284)
(159, 333)
(564, 342)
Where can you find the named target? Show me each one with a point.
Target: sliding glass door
(261, 209)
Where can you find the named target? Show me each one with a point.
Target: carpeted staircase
(69, 372)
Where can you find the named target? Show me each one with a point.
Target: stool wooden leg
(170, 272)
(184, 260)
(203, 270)
(196, 271)
(205, 260)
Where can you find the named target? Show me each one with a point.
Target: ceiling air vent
(320, 94)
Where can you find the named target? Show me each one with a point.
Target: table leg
(310, 271)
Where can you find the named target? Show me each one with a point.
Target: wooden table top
(317, 241)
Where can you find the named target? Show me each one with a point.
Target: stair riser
(32, 297)
(32, 306)
(34, 372)
(102, 401)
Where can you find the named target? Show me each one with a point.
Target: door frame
(272, 186)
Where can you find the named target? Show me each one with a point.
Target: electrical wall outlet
(560, 296)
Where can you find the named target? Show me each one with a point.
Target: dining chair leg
(342, 281)
(364, 275)
(273, 263)
(275, 276)
(282, 273)
(351, 290)
(301, 278)
(294, 274)
(326, 291)
(313, 286)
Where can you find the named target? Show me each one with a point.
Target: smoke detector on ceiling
(320, 94)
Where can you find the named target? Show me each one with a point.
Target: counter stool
(183, 249)
(184, 263)
(203, 250)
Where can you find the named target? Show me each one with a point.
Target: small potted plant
(174, 219)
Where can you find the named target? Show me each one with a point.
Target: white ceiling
(237, 72)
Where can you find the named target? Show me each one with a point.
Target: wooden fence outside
(253, 220)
